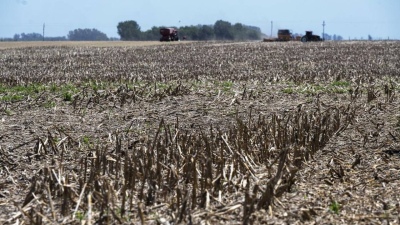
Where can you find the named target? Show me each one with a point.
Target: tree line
(130, 30)
(333, 37)
(221, 30)
(33, 37)
(74, 35)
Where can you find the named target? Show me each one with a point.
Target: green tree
(29, 37)
(190, 32)
(239, 31)
(153, 34)
(87, 35)
(206, 32)
(16, 37)
(223, 30)
(253, 35)
(129, 30)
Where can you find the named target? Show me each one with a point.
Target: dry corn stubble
(199, 132)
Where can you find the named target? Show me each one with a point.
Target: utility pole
(323, 30)
(43, 30)
(272, 24)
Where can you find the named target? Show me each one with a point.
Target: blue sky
(348, 18)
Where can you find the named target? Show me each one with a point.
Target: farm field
(24, 44)
(200, 132)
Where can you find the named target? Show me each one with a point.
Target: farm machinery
(310, 37)
(286, 35)
(283, 35)
(169, 34)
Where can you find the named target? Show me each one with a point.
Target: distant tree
(16, 37)
(35, 37)
(327, 37)
(333, 37)
(129, 30)
(61, 38)
(206, 32)
(190, 32)
(28, 37)
(239, 31)
(223, 30)
(152, 35)
(369, 37)
(87, 35)
(253, 33)
(244, 32)
(7, 39)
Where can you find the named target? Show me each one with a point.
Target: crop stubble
(200, 132)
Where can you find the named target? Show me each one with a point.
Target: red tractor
(169, 34)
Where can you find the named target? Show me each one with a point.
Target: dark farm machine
(310, 37)
(286, 35)
(169, 34)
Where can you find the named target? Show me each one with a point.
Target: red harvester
(169, 34)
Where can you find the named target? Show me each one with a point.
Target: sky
(348, 18)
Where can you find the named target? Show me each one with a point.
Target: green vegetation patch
(335, 87)
(334, 207)
(11, 98)
(225, 86)
(22, 89)
(340, 84)
(19, 92)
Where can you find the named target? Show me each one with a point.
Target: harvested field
(25, 44)
(195, 133)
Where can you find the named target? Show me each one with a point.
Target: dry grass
(240, 133)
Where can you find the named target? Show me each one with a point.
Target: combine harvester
(283, 35)
(169, 34)
(286, 35)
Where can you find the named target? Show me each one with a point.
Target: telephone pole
(272, 24)
(323, 30)
(43, 30)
